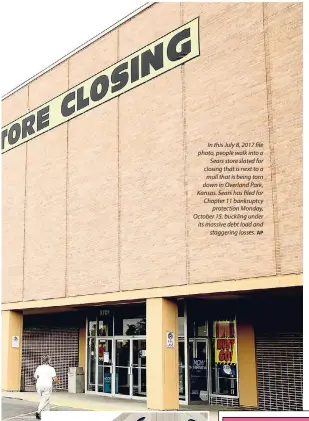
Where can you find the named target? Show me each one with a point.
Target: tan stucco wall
(12, 325)
(104, 203)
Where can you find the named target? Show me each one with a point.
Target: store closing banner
(164, 54)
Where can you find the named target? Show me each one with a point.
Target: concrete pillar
(82, 353)
(162, 362)
(12, 325)
(248, 395)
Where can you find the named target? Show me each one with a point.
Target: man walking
(45, 375)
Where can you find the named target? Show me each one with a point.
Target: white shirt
(44, 375)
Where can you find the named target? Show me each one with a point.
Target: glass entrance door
(130, 367)
(139, 367)
(198, 360)
(123, 367)
(104, 365)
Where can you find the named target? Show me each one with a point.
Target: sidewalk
(82, 401)
(103, 403)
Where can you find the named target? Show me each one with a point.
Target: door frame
(193, 341)
(144, 397)
(206, 341)
(119, 395)
(113, 367)
(103, 338)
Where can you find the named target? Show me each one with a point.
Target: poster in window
(225, 344)
(198, 378)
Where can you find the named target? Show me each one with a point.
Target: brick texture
(276, 7)
(49, 85)
(45, 225)
(285, 78)
(93, 181)
(14, 106)
(93, 59)
(152, 205)
(152, 208)
(227, 101)
(13, 197)
(93, 202)
(155, 22)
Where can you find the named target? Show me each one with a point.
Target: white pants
(44, 393)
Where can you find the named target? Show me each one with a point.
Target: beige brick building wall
(104, 202)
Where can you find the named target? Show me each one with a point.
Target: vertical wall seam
(270, 139)
(66, 198)
(118, 170)
(185, 152)
(25, 205)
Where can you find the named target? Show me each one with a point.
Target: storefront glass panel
(224, 358)
(198, 356)
(139, 367)
(123, 367)
(182, 354)
(117, 352)
(105, 365)
(117, 363)
(182, 370)
(91, 365)
(211, 353)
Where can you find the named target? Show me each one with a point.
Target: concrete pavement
(82, 401)
(22, 410)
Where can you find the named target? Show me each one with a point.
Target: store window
(197, 320)
(130, 320)
(224, 358)
(211, 357)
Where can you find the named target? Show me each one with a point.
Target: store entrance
(198, 365)
(121, 367)
(198, 369)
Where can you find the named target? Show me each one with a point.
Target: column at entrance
(12, 329)
(162, 355)
(247, 365)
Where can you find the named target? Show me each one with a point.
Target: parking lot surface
(20, 410)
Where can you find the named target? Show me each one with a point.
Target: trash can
(76, 380)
